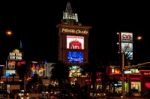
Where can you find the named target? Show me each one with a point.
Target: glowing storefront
(132, 80)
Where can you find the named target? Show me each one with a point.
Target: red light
(147, 84)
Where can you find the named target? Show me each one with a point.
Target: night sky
(35, 24)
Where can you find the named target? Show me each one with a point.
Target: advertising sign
(129, 55)
(15, 55)
(127, 47)
(74, 31)
(75, 42)
(8, 73)
(38, 69)
(126, 37)
(126, 42)
(11, 64)
(75, 57)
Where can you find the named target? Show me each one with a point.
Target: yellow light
(8, 33)
(139, 37)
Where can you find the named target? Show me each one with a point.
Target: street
(128, 98)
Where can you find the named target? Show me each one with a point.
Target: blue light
(75, 57)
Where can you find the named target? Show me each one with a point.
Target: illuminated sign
(127, 44)
(133, 71)
(21, 63)
(146, 73)
(129, 55)
(75, 42)
(75, 57)
(127, 72)
(38, 69)
(15, 55)
(11, 64)
(75, 71)
(8, 73)
(126, 37)
(74, 31)
(116, 71)
(127, 47)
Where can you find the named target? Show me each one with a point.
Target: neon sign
(74, 31)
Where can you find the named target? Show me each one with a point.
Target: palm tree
(60, 73)
(89, 68)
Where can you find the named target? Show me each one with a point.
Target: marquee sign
(15, 55)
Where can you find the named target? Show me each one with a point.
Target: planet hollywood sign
(74, 31)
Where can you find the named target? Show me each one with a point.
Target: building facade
(73, 42)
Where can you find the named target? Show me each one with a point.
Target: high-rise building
(73, 42)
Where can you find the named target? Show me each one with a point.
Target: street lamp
(139, 38)
(9, 33)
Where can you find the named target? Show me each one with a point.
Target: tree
(34, 83)
(22, 70)
(60, 72)
(90, 69)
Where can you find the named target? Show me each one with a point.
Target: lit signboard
(74, 31)
(129, 55)
(75, 71)
(8, 73)
(75, 42)
(38, 69)
(15, 55)
(75, 57)
(116, 71)
(133, 71)
(11, 64)
(146, 73)
(126, 42)
(126, 37)
(127, 72)
(127, 47)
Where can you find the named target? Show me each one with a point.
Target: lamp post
(125, 42)
(9, 33)
(123, 76)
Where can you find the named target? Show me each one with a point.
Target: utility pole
(125, 42)
(123, 78)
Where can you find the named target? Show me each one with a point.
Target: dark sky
(35, 24)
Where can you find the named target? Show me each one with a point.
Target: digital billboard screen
(75, 57)
(75, 42)
(127, 47)
(8, 73)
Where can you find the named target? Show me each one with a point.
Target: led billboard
(37, 69)
(75, 57)
(129, 55)
(74, 71)
(75, 42)
(8, 73)
(127, 47)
